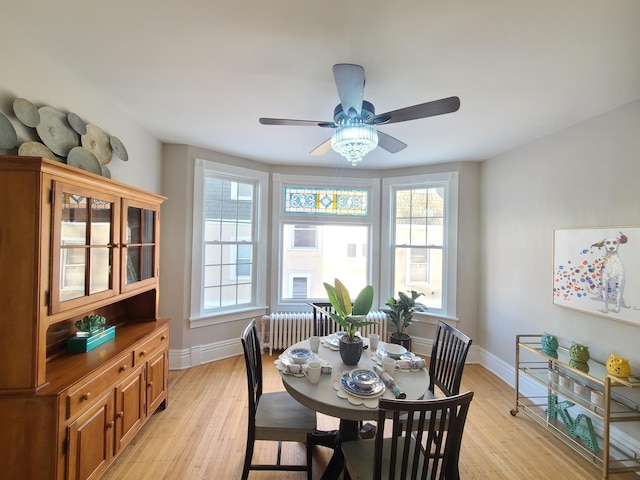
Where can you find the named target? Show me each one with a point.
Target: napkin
(413, 364)
(389, 382)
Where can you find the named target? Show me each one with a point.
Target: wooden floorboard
(202, 434)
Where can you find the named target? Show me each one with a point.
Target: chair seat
(281, 417)
(429, 395)
(358, 456)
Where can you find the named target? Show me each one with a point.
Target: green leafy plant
(349, 315)
(90, 323)
(401, 310)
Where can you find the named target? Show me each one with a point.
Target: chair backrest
(323, 324)
(253, 362)
(426, 440)
(448, 354)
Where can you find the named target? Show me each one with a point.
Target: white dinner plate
(382, 353)
(333, 340)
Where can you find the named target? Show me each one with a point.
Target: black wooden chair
(323, 324)
(273, 416)
(448, 356)
(427, 446)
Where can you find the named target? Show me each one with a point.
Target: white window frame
(450, 181)
(199, 316)
(293, 276)
(427, 263)
(235, 194)
(234, 272)
(372, 219)
(292, 241)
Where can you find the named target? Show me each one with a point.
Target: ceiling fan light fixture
(354, 141)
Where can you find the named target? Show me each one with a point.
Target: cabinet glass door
(140, 252)
(83, 242)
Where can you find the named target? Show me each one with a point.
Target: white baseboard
(201, 354)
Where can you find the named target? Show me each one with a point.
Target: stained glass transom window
(326, 201)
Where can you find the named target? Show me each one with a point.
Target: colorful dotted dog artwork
(596, 269)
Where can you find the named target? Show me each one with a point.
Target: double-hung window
(422, 234)
(324, 231)
(230, 205)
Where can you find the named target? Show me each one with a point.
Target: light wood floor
(202, 434)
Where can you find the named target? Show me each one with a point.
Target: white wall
(28, 73)
(584, 176)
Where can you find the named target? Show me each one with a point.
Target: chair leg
(279, 456)
(248, 456)
(309, 455)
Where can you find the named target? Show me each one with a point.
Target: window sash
(427, 223)
(226, 257)
(349, 213)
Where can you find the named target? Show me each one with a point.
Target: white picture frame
(588, 260)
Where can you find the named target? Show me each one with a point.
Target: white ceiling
(202, 72)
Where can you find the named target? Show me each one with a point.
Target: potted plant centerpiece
(92, 332)
(401, 312)
(90, 325)
(349, 315)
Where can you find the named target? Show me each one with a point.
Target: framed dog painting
(597, 271)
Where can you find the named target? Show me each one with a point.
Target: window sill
(227, 316)
(433, 318)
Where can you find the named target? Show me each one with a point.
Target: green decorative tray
(84, 344)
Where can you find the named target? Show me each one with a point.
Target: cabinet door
(140, 255)
(83, 264)
(156, 381)
(130, 407)
(90, 440)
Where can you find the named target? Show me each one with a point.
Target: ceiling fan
(355, 119)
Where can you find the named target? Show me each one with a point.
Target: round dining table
(326, 396)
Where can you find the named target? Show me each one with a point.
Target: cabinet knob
(150, 384)
(110, 425)
(143, 353)
(86, 396)
(120, 414)
(163, 338)
(123, 368)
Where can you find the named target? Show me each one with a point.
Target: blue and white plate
(364, 379)
(300, 355)
(293, 357)
(349, 386)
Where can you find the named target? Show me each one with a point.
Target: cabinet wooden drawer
(82, 395)
(156, 343)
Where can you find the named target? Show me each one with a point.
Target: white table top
(323, 398)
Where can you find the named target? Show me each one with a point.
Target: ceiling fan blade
(321, 149)
(389, 143)
(429, 109)
(299, 123)
(350, 83)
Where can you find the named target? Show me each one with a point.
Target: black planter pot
(350, 352)
(401, 339)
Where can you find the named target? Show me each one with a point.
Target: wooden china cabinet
(74, 244)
